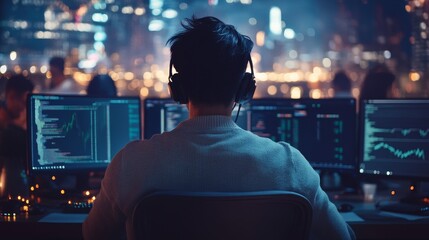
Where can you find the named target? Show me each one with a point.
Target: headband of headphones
(244, 93)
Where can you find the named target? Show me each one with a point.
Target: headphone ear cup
(246, 89)
(176, 89)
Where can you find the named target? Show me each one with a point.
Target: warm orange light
(69, 202)
(260, 38)
(63, 191)
(412, 188)
(408, 8)
(295, 92)
(144, 92)
(19, 197)
(37, 185)
(53, 178)
(32, 188)
(272, 90)
(87, 193)
(316, 93)
(392, 192)
(414, 76)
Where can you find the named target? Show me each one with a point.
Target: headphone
(244, 94)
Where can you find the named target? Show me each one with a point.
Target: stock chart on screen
(79, 132)
(395, 137)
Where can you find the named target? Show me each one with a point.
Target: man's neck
(207, 110)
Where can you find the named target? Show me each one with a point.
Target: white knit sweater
(208, 153)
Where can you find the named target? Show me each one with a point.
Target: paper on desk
(351, 217)
(64, 218)
(409, 217)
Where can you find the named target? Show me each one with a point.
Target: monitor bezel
(29, 163)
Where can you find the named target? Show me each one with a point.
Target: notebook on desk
(64, 218)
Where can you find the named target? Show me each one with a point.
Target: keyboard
(407, 208)
(77, 207)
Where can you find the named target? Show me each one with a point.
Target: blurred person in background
(342, 85)
(60, 84)
(13, 138)
(102, 85)
(379, 83)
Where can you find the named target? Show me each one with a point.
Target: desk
(370, 223)
(384, 225)
(38, 231)
(376, 225)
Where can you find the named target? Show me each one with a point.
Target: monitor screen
(394, 136)
(163, 115)
(77, 133)
(324, 130)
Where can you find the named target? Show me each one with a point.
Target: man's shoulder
(139, 146)
(268, 142)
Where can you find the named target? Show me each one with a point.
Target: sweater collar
(208, 122)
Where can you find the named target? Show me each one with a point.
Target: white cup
(369, 190)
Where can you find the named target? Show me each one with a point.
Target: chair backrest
(214, 215)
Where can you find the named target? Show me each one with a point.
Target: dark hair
(57, 62)
(19, 84)
(376, 84)
(211, 58)
(341, 82)
(101, 85)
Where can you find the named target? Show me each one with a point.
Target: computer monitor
(323, 130)
(76, 134)
(163, 115)
(394, 137)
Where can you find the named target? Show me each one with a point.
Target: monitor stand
(330, 180)
(84, 187)
(70, 186)
(346, 183)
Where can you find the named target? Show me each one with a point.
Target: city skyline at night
(300, 43)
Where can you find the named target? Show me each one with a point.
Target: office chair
(204, 215)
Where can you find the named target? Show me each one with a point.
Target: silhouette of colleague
(60, 83)
(102, 85)
(13, 137)
(342, 85)
(379, 83)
